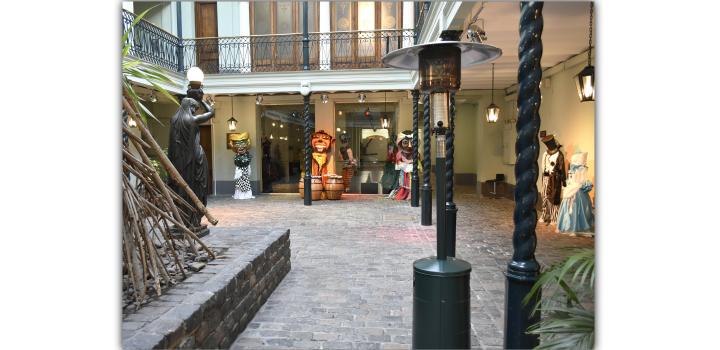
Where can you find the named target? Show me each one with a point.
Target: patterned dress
(243, 190)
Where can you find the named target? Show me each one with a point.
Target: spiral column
(450, 208)
(415, 180)
(426, 191)
(308, 150)
(523, 270)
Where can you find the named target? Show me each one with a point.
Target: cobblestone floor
(350, 286)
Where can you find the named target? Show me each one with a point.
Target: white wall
(163, 16)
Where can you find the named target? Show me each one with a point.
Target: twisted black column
(426, 209)
(523, 270)
(450, 208)
(415, 180)
(308, 151)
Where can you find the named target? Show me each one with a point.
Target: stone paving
(350, 286)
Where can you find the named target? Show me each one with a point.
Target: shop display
(241, 145)
(404, 165)
(185, 152)
(321, 143)
(553, 179)
(576, 212)
(350, 163)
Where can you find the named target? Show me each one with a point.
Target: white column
(244, 16)
(325, 36)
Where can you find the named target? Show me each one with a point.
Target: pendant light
(232, 123)
(385, 122)
(493, 111)
(585, 80)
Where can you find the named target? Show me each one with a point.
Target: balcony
(264, 53)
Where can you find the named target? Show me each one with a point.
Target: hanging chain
(492, 85)
(592, 5)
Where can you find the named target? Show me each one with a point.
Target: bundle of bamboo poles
(152, 258)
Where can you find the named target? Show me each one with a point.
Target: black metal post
(523, 270)
(415, 180)
(180, 48)
(450, 208)
(306, 39)
(308, 150)
(426, 209)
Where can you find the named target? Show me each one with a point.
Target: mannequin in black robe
(185, 152)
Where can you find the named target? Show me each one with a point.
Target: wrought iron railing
(264, 53)
(150, 43)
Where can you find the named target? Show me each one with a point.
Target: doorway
(206, 27)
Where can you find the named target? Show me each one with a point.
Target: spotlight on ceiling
(258, 99)
(361, 98)
(324, 98)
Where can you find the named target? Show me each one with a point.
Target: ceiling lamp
(232, 123)
(367, 112)
(258, 99)
(493, 111)
(384, 121)
(324, 98)
(153, 98)
(361, 98)
(585, 80)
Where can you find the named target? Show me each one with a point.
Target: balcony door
(206, 27)
(359, 40)
(276, 28)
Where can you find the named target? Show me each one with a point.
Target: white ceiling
(565, 34)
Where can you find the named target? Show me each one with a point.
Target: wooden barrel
(334, 187)
(315, 186)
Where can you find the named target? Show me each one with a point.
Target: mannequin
(553, 179)
(403, 164)
(576, 213)
(241, 146)
(346, 154)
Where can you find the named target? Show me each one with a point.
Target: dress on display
(243, 190)
(576, 212)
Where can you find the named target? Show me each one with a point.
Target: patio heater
(441, 292)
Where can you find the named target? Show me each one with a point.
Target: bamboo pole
(174, 174)
(178, 224)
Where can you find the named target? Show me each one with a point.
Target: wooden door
(206, 27)
(206, 144)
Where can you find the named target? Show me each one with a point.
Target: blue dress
(576, 212)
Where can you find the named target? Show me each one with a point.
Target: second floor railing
(264, 53)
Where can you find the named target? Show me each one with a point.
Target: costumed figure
(346, 154)
(553, 180)
(389, 179)
(404, 165)
(241, 146)
(321, 143)
(576, 212)
(185, 152)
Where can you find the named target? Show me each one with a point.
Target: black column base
(517, 315)
(450, 225)
(308, 190)
(426, 210)
(415, 192)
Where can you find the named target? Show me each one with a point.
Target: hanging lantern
(385, 122)
(585, 80)
(492, 114)
(232, 123)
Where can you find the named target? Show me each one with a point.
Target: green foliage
(567, 308)
(138, 69)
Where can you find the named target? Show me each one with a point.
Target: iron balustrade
(150, 43)
(264, 53)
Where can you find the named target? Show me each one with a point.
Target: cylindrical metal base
(308, 190)
(441, 304)
(517, 314)
(450, 224)
(426, 209)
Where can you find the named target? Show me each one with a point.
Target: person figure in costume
(321, 143)
(576, 212)
(403, 164)
(346, 155)
(241, 146)
(185, 152)
(553, 179)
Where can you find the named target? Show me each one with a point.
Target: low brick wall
(218, 308)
